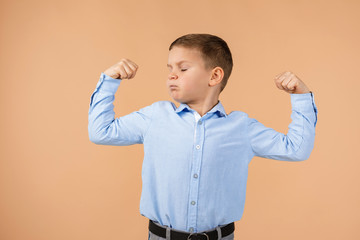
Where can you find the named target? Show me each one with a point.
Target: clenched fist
(290, 83)
(125, 69)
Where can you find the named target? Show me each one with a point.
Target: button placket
(195, 168)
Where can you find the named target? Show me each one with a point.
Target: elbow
(96, 141)
(303, 151)
(103, 137)
(96, 137)
(301, 155)
(98, 134)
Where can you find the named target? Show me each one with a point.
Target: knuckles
(125, 68)
(123, 60)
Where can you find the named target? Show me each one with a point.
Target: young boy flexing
(196, 155)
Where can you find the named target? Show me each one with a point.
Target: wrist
(111, 74)
(302, 92)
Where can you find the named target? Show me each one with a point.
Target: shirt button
(191, 229)
(197, 146)
(192, 202)
(200, 122)
(195, 175)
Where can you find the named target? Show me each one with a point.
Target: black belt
(176, 235)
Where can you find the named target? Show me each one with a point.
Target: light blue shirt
(195, 170)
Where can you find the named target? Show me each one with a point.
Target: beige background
(55, 184)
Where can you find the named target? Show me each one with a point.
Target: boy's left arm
(298, 143)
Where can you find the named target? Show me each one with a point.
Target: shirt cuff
(108, 84)
(304, 103)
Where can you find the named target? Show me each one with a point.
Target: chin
(178, 100)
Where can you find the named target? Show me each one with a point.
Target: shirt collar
(218, 108)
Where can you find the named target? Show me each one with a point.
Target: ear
(217, 75)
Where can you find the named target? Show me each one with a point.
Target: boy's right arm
(103, 127)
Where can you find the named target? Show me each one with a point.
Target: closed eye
(183, 70)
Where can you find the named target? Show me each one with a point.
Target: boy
(196, 156)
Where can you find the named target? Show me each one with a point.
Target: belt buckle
(193, 234)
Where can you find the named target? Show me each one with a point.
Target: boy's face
(188, 79)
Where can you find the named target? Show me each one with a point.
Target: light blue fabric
(194, 173)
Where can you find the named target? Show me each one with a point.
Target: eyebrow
(178, 63)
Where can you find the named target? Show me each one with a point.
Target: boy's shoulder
(164, 104)
(237, 115)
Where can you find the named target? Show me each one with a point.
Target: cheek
(191, 84)
(194, 81)
(200, 80)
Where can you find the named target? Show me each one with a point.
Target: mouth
(173, 86)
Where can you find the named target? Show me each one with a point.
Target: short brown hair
(214, 50)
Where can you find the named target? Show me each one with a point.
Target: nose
(172, 76)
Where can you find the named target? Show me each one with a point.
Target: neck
(203, 107)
